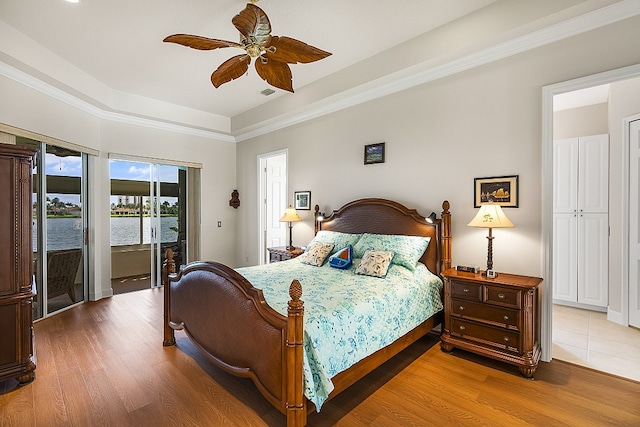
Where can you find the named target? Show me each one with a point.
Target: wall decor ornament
(501, 190)
(235, 199)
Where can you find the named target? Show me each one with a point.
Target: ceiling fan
(272, 53)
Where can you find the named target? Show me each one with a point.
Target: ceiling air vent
(268, 92)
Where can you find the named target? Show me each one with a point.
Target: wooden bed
(228, 320)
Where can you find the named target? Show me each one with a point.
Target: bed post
(296, 408)
(168, 267)
(446, 236)
(316, 223)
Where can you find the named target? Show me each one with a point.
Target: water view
(66, 233)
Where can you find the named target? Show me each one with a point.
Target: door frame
(548, 92)
(626, 215)
(262, 195)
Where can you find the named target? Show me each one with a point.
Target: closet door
(593, 185)
(565, 175)
(565, 257)
(593, 253)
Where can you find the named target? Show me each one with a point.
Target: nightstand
(497, 318)
(281, 253)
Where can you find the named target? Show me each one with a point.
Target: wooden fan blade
(199, 42)
(276, 73)
(253, 22)
(293, 51)
(231, 69)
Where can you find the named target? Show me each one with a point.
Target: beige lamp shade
(490, 215)
(290, 215)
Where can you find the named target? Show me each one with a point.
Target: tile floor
(588, 339)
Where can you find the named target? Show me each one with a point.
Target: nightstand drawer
(498, 316)
(494, 337)
(466, 290)
(503, 296)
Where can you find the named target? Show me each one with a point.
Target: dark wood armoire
(17, 358)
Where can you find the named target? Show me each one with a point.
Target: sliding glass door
(148, 208)
(59, 227)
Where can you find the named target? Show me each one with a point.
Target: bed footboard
(228, 321)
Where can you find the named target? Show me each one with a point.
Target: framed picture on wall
(502, 190)
(302, 200)
(374, 153)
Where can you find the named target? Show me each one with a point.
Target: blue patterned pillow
(337, 239)
(408, 249)
(375, 263)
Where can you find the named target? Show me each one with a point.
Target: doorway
(611, 326)
(148, 213)
(59, 227)
(272, 201)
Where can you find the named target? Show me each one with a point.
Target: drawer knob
(465, 290)
(506, 317)
(461, 307)
(462, 327)
(501, 295)
(506, 339)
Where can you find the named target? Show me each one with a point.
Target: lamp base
(290, 248)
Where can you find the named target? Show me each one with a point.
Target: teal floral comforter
(347, 316)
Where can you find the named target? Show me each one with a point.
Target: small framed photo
(502, 190)
(302, 200)
(374, 153)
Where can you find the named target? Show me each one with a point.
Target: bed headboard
(381, 216)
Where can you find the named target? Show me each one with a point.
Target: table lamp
(290, 215)
(490, 216)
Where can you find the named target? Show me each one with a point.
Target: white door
(565, 175)
(634, 218)
(565, 257)
(593, 253)
(273, 169)
(593, 184)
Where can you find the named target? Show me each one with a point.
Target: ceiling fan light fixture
(274, 53)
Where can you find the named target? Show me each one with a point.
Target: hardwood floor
(103, 364)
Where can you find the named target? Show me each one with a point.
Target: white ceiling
(119, 42)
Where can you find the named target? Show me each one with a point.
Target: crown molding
(60, 95)
(392, 84)
(396, 82)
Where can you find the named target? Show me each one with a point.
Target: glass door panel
(64, 228)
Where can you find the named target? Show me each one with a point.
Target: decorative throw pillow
(407, 249)
(375, 263)
(337, 239)
(318, 252)
(342, 259)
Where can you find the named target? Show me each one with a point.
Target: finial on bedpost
(296, 408)
(446, 235)
(168, 267)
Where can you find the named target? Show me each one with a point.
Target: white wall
(439, 137)
(624, 101)
(29, 109)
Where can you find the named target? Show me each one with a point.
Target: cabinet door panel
(565, 175)
(593, 182)
(565, 257)
(593, 259)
